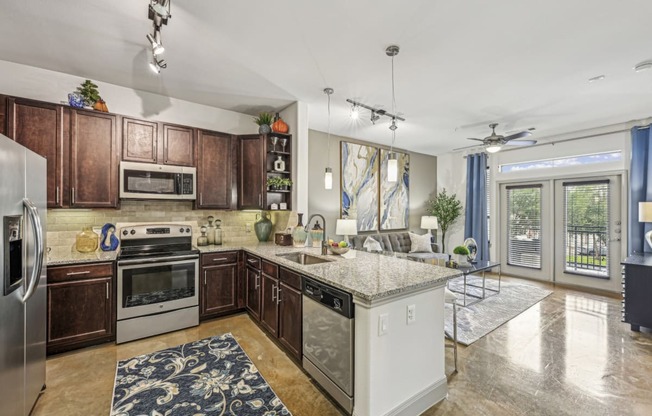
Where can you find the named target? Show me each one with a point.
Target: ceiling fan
(495, 142)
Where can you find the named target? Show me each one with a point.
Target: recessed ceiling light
(643, 66)
(598, 78)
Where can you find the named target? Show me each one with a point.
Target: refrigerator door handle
(34, 217)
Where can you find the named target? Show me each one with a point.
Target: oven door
(150, 286)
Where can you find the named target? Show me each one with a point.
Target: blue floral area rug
(212, 376)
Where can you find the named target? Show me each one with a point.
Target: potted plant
(88, 91)
(274, 183)
(462, 255)
(286, 183)
(447, 208)
(264, 121)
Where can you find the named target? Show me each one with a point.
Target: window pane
(562, 162)
(524, 226)
(586, 222)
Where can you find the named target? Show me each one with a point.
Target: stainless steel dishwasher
(328, 332)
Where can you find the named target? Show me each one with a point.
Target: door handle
(56, 195)
(220, 259)
(257, 285)
(273, 295)
(34, 217)
(76, 273)
(72, 196)
(107, 290)
(205, 277)
(278, 295)
(260, 200)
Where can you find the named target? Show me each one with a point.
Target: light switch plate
(411, 314)
(383, 324)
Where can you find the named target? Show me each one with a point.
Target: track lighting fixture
(379, 112)
(157, 46)
(374, 117)
(161, 8)
(392, 162)
(355, 112)
(328, 173)
(157, 64)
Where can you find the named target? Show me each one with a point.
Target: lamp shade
(645, 211)
(346, 227)
(429, 223)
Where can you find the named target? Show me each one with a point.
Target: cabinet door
(39, 127)
(94, 152)
(213, 170)
(290, 320)
(79, 311)
(219, 289)
(139, 140)
(178, 146)
(269, 304)
(253, 292)
(251, 174)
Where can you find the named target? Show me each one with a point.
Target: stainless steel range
(158, 274)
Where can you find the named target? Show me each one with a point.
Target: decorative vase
(86, 241)
(279, 126)
(100, 105)
(316, 235)
(472, 246)
(210, 230)
(202, 240)
(279, 164)
(108, 240)
(299, 234)
(263, 226)
(264, 129)
(218, 232)
(462, 259)
(76, 100)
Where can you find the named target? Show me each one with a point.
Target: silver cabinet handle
(201, 198)
(252, 261)
(260, 200)
(72, 192)
(76, 273)
(107, 290)
(257, 282)
(35, 278)
(274, 289)
(278, 296)
(205, 277)
(220, 259)
(56, 195)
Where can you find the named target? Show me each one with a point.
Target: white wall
(423, 180)
(296, 115)
(41, 84)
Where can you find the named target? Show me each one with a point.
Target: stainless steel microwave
(149, 181)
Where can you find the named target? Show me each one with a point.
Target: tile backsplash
(64, 224)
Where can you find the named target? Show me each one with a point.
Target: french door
(563, 230)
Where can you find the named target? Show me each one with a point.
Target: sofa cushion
(358, 241)
(420, 243)
(371, 244)
(400, 242)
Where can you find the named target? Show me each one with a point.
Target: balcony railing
(587, 249)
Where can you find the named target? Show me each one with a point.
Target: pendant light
(328, 174)
(392, 162)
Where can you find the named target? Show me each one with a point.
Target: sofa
(398, 244)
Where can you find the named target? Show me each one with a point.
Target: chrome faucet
(324, 249)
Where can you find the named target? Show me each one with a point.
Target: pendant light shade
(392, 168)
(328, 179)
(328, 173)
(493, 148)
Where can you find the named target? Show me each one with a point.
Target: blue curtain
(640, 188)
(475, 225)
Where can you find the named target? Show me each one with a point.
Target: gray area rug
(476, 321)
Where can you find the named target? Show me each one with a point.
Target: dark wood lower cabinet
(290, 319)
(219, 290)
(269, 306)
(80, 304)
(253, 292)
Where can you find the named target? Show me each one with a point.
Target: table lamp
(645, 215)
(346, 228)
(429, 223)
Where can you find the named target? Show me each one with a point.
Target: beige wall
(64, 224)
(423, 180)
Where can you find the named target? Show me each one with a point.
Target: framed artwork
(359, 184)
(394, 196)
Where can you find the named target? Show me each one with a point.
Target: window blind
(586, 227)
(524, 226)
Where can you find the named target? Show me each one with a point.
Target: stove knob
(125, 232)
(180, 230)
(187, 230)
(132, 232)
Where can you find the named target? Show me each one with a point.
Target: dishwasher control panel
(330, 297)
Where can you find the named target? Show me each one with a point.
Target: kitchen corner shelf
(280, 172)
(276, 152)
(278, 192)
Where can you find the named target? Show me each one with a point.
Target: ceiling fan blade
(478, 140)
(517, 135)
(467, 147)
(521, 142)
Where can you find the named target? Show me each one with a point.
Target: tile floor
(567, 355)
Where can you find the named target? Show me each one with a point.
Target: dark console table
(637, 291)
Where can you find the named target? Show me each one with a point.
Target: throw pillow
(420, 243)
(372, 244)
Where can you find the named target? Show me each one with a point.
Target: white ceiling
(462, 65)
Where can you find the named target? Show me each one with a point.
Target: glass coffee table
(472, 292)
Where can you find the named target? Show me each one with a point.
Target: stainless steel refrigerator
(23, 292)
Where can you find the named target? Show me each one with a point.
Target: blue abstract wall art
(395, 196)
(359, 164)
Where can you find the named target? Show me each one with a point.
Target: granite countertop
(369, 277)
(77, 258)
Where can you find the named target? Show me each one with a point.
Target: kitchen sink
(303, 258)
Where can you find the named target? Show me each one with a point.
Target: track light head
(393, 126)
(157, 64)
(155, 41)
(374, 117)
(355, 112)
(160, 8)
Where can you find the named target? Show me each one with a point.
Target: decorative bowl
(338, 250)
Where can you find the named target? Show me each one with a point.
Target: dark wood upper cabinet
(152, 142)
(139, 140)
(39, 127)
(251, 175)
(178, 146)
(94, 158)
(214, 170)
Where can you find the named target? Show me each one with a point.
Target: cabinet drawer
(270, 269)
(77, 272)
(291, 278)
(212, 259)
(252, 261)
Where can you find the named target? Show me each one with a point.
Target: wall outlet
(247, 227)
(383, 324)
(411, 314)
